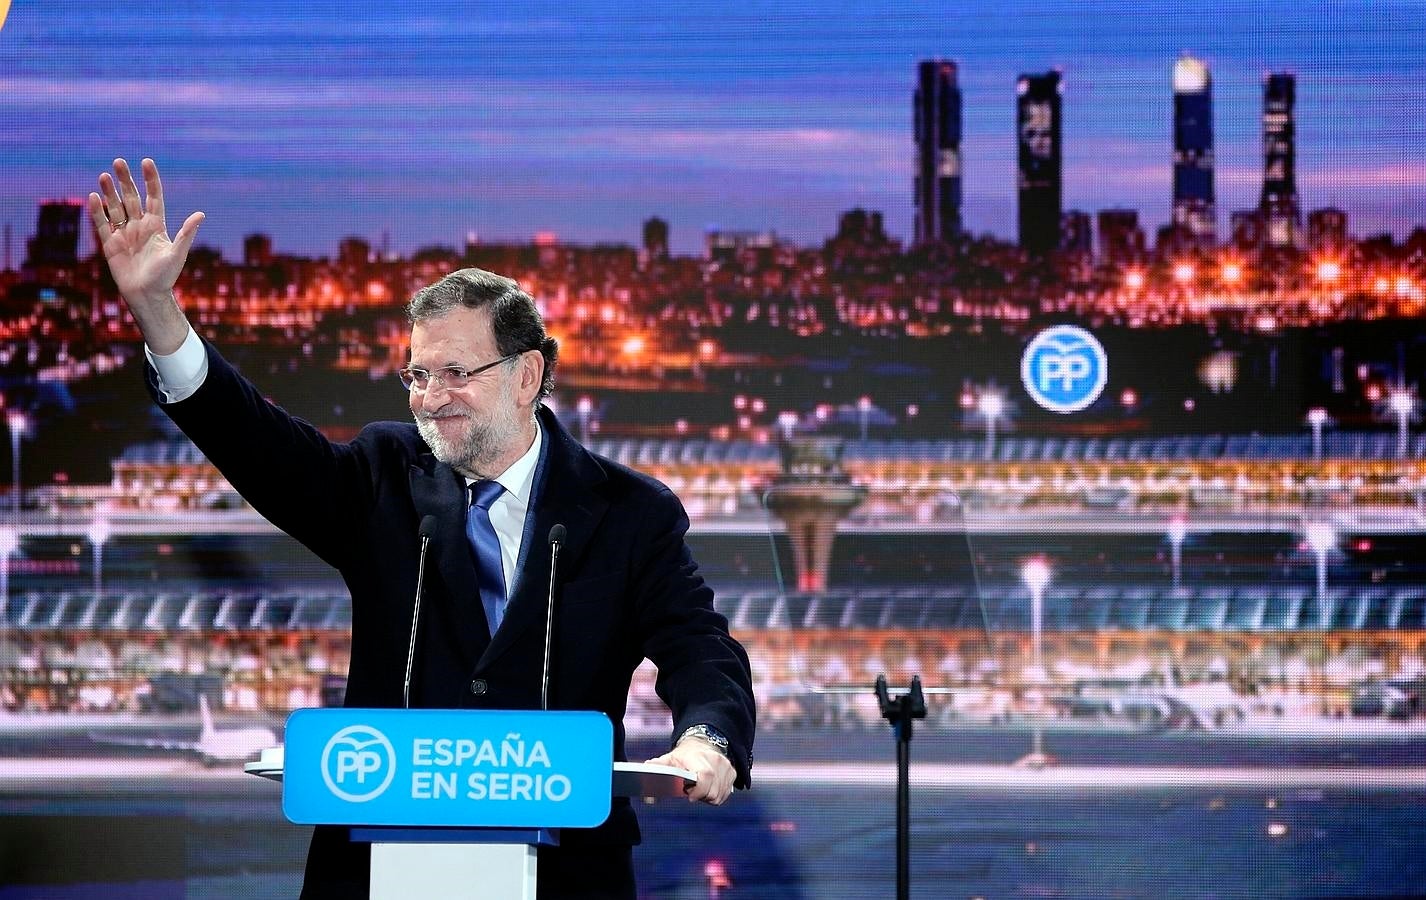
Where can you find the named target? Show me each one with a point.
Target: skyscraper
(56, 240)
(938, 152)
(655, 238)
(1195, 217)
(1041, 160)
(1282, 218)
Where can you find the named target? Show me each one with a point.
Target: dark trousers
(338, 869)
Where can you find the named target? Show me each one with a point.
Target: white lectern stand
(472, 863)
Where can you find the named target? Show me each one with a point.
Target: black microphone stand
(900, 711)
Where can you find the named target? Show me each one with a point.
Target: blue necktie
(487, 550)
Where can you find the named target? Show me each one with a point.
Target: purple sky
(434, 121)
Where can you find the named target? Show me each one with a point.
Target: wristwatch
(708, 735)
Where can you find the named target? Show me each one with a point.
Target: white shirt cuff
(182, 372)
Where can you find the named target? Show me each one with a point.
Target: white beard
(483, 442)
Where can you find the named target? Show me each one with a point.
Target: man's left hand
(715, 773)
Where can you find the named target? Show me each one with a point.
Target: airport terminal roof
(998, 609)
(650, 452)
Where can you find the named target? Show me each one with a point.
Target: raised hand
(144, 261)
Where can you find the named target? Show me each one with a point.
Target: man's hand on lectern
(145, 263)
(714, 771)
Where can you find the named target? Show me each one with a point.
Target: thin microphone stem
(549, 625)
(415, 618)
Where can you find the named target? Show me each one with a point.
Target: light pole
(787, 421)
(1403, 404)
(99, 532)
(864, 413)
(9, 543)
(1178, 530)
(19, 426)
(585, 406)
(1317, 419)
(991, 407)
(1036, 575)
(1321, 537)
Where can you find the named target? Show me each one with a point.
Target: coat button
(478, 687)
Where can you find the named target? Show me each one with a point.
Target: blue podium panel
(448, 768)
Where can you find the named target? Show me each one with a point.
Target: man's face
(478, 429)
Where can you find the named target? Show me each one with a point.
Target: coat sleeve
(703, 672)
(310, 487)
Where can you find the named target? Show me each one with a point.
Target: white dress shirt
(507, 513)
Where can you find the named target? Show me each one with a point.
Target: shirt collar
(519, 479)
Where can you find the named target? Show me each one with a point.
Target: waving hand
(144, 261)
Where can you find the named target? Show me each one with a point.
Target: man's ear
(532, 375)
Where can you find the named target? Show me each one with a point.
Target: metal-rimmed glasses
(454, 378)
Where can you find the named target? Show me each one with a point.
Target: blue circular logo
(1064, 369)
(358, 763)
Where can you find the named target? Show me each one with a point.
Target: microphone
(557, 535)
(428, 527)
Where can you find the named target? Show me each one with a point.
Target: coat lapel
(438, 490)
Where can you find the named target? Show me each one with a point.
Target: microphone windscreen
(557, 534)
(428, 526)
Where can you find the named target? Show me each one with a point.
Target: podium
(455, 803)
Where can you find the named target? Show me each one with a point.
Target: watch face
(708, 735)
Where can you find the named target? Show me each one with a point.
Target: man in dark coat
(627, 588)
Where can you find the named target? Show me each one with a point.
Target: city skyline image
(369, 135)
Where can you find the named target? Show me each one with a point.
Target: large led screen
(1064, 358)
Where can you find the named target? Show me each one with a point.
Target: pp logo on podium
(358, 763)
(1064, 368)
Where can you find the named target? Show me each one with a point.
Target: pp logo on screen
(1065, 368)
(358, 763)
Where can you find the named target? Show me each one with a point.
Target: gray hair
(514, 317)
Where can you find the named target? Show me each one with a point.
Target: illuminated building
(257, 250)
(1194, 212)
(1121, 240)
(1077, 232)
(1327, 229)
(938, 152)
(1041, 153)
(354, 252)
(860, 244)
(1282, 219)
(1246, 227)
(749, 248)
(56, 240)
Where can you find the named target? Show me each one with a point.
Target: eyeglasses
(453, 377)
